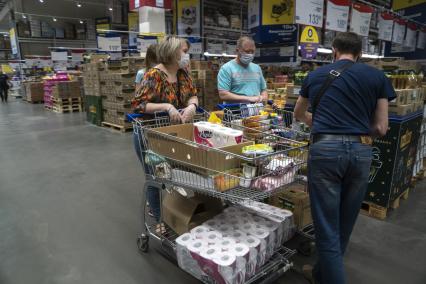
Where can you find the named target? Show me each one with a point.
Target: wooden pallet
(379, 212)
(116, 126)
(69, 101)
(64, 109)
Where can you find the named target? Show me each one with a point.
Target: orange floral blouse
(156, 89)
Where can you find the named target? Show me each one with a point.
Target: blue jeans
(152, 192)
(338, 177)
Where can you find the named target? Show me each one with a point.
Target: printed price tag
(310, 12)
(385, 26)
(337, 15)
(360, 20)
(398, 31)
(421, 42)
(196, 48)
(410, 37)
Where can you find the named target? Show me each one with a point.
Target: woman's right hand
(174, 114)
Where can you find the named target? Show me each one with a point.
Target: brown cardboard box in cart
(174, 142)
(183, 214)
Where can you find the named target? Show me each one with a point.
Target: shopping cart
(285, 124)
(194, 167)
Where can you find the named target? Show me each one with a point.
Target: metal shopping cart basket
(284, 124)
(217, 172)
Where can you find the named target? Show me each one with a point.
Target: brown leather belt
(363, 139)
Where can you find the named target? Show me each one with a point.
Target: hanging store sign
(135, 4)
(109, 43)
(309, 42)
(13, 43)
(103, 24)
(411, 35)
(360, 19)
(421, 41)
(59, 55)
(143, 42)
(253, 13)
(385, 26)
(337, 15)
(277, 12)
(310, 12)
(188, 17)
(77, 56)
(399, 31)
(275, 34)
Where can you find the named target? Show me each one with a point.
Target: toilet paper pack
(257, 255)
(220, 266)
(216, 136)
(184, 258)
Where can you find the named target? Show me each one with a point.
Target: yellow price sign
(309, 35)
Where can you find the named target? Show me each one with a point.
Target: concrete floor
(69, 207)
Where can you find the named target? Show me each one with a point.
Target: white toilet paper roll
(242, 252)
(225, 229)
(248, 228)
(256, 258)
(196, 246)
(212, 224)
(276, 229)
(212, 237)
(199, 230)
(226, 269)
(231, 210)
(184, 257)
(227, 244)
(263, 236)
(238, 235)
(271, 240)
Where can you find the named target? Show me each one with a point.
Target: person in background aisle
(167, 88)
(150, 61)
(240, 80)
(4, 86)
(349, 107)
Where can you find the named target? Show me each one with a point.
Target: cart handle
(223, 106)
(134, 116)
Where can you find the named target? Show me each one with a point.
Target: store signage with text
(143, 42)
(277, 12)
(411, 35)
(385, 26)
(59, 55)
(309, 42)
(189, 17)
(399, 31)
(109, 44)
(337, 15)
(310, 12)
(421, 42)
(360, 20)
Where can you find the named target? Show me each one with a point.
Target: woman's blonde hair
(168, 50)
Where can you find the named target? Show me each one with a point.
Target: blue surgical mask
(246, 58)
(184, 60)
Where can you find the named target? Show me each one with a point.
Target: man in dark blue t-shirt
(352, 110)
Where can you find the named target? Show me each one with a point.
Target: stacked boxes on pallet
(66, 97)
(419, 169)
(34, 92)
(92, 92)
(117, 82)
(49, 84)
(204, 74)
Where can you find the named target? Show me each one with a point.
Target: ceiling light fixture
(54, 19)
(23, 16)
(41, 1)
(78, 4)
(81, 22)
(110, 8)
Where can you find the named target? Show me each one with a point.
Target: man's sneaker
(307, 273)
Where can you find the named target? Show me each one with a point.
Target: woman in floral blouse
(166, 87)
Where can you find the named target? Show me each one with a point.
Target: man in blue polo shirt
(240, 80)
(353, 109)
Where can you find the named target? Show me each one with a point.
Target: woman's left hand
(188, 113)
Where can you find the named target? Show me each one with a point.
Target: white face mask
(246, 58)
(184, 60)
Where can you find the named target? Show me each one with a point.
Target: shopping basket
(225, 172)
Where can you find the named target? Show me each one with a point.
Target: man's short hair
(348, 43)
(167, 50)
(242, 40)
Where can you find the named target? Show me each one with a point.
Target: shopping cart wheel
(143, 243)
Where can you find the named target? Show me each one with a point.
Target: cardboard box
(199, 65)
(201, 158)
(183, 214)
(297, 201)
(401, 110)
